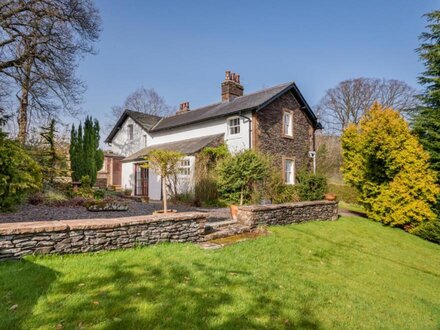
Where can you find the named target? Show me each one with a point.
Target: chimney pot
(184, 107)
(231, 87)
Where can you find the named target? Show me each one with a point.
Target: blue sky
(182, 48)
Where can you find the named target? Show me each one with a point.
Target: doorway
(141, 181)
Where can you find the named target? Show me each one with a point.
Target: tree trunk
(24, 102)
(164, 194)
(241, 196)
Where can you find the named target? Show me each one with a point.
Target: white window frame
(185, 167)
(130, 132)
(289, 176)
(287, 124)
(236, 127)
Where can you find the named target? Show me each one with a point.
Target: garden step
(226, 231)
(223, 223)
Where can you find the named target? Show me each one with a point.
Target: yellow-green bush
(390, 169)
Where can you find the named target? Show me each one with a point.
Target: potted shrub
(237, 173)
(234, 211)
(330, 197)
(127, 192)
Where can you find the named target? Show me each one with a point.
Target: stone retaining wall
(75, 236)
(283, 214)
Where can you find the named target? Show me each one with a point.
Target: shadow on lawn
(173, 296)
(353, 246)
(22, 283)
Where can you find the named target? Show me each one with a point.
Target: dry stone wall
(283, 214)
(75, 236)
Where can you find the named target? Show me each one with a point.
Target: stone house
(277, 121)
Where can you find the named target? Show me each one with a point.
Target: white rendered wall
(121, 145)
(154, 185)
(235, 142)
(127, 180)
(185, 183)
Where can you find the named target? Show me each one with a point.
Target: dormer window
(145, 140)
(234, 126)
(130, 132)
(287, 123)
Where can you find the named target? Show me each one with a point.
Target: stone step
(223, 223)
(226, 231)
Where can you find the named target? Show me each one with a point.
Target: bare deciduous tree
(350, 99)
(144, 100)
(41, 42)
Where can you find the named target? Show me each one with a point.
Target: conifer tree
(85, 156)
(390, 169)
(427, 121)
(73, 152)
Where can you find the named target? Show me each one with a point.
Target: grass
(351, 207)
(343, 192)
(352, 273)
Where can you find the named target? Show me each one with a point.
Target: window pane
(288, 171)
(288, 123)
(234, 126)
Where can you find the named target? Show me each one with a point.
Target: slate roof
(187, 147)
(251, 101)
(144, 120)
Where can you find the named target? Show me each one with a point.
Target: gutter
(250, 127)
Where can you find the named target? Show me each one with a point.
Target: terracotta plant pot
(234, 211)
(330, 197)
(162, 211)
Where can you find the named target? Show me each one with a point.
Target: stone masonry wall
(269, 132)
(283, 214)
(75, 236)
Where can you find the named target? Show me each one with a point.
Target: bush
(36, 199)
(239, 173)
(99, 194)
(85, 190)
(206, 176)
(429, 230)
(185, 198)
(206, 191)
(385, 162)
(286, 194)
(311, 187)
(54, 198)
(19, 174)
(344, 192)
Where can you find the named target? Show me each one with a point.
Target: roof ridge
(219, 103)
(266, 89)
(143, 113)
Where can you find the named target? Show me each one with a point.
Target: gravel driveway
(27, 212)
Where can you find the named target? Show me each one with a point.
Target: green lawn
(351, 207)
(352, 273)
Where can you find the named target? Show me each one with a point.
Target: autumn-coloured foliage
(390, 169)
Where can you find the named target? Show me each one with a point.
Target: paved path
(348, 213)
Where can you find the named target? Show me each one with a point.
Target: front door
(141, 181)
(117, 171)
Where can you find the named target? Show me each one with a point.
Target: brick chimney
(231, 87)
(184, 107)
